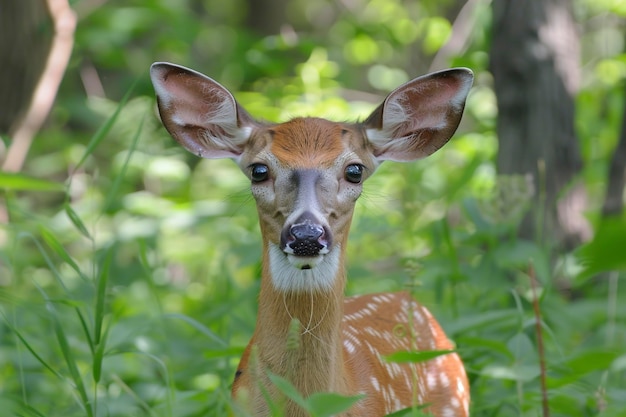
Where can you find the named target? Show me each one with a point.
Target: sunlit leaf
(329, 404)
(606, 251)
(288, 389)
(22, 182)
(417, 356)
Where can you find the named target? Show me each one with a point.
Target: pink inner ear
(419, 117)
(426, 105)
(192, 100)
(199, 113)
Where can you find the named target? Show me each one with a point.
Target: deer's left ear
(420, 116)
(199, 113)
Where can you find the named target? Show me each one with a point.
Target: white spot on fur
(372, 306)
(352, 338)
(349, 346)
(460, 387)
(431, 381)
(445, 381)
(448, 412)
(375, 383)
(455, 402)
(419, 317)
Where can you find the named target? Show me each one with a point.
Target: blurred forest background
(129, 268)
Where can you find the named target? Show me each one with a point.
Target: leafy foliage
(129, 269)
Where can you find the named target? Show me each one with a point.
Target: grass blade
(30, 348)
(103, 279)
(59, 279)
(325, 404)
(410, 412)
(99, 336)
(118, 179)
(56, 246)
(75, 219)
(21, 182)
(413, 357)
(68, 355)
(98, 356)
(288, 389)
(199, 326)
(105, 128)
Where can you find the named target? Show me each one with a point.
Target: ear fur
(419, 117)
(199, 113)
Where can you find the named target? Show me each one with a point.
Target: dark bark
(535, 64)
(266, 17)
(26, 33)
(614, 199)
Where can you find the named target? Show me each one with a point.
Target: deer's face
(306, 176)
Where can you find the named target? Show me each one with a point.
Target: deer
(306, 175)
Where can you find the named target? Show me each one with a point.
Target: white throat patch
(288, 278)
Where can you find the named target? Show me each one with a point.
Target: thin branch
(459, 39)
(64, 21)
(540, 347)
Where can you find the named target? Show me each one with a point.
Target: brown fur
(307, 143)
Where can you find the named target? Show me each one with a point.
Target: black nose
(306, 237)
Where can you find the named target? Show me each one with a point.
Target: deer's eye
(354, 173)
(259, 172)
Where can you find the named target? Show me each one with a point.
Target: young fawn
(306, 175)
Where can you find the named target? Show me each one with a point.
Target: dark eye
(259, 172)
(354, 173)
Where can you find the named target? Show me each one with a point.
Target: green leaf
(410, 411)
(98, 356)
(21, 182)
(103, 278)
(56, 246)
(491, 320)
(606, 251)
(575, 368)
(198, 326)
(323, 404)
(118, 179)
(105, 128)
(490, 345)
(30, 348)
(68, 354)
(522, 373)
(75, 219)
(224, 353)
(414, 357)
(288, 389)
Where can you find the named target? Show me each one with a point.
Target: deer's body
(393, 324)
(306, 176)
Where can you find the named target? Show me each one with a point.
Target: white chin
(304, 262)
(303, 274)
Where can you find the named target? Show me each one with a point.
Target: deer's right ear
(419, 117)
(199, 113)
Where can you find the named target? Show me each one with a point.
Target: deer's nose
(305, 237)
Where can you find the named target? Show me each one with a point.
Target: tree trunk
(26, 32)
(266, 17)
(535, 65)
(614, 199)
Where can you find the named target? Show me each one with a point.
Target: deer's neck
(308, 354)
